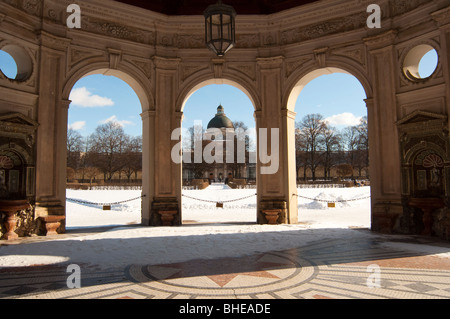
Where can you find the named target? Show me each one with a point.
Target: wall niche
(17, 168)
(424, 142)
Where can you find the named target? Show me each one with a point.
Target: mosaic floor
(336, 269)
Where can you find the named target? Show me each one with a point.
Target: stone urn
(272, 216)
(10, 208)
(427, 205)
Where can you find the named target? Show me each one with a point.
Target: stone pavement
(326, 269)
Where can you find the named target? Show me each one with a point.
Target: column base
(165, 212)
(386, 217)
(51, 224)
(54, 213)
(272, 211)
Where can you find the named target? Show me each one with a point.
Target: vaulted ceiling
(196, 7)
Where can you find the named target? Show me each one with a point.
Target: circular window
(420, 62)
(15, 64)
(7, 65)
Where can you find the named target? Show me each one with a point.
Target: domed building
(220, 121)
(220, 172)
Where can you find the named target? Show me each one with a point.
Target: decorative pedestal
(272, 216)
(10, 207)
(427, 205)
(165, 212)
(167, 217)
(272, 211)
(51, 224)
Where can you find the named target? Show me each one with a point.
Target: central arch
(198, 84)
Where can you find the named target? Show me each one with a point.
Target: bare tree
(75, 145)
(133, 157)
(301, 151)
(363, 145)
(107, 145)
(331, 141)
(350, 142)
(312, 128)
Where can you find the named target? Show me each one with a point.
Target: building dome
(220, 121)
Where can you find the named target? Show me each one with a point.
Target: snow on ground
(218, 232)
(196, 207)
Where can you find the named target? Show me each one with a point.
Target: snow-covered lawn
(217, 236)
(198, 208)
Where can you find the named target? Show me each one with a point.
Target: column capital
(148, 114)
(257, 114)
(65, 104)
(369, 102)
(288, 113)
(179, 116)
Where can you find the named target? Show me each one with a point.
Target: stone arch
(202, 80)
(297, 82)
(299, 79)
(207, 79)
(133, 78)
(140, 84)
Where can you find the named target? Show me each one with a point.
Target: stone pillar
(148, 164)
(52, 131)
(276, 191)
(442, 19)
(384, 155)
(166, 172)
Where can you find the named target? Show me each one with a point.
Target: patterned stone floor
(335, 269)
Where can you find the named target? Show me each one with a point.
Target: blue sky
(98, 99)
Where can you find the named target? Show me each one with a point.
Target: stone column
(148, 164)
(442, 19)
(384, 156)
(52, 131)
(276, 202)
(165, 204)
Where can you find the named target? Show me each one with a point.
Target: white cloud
(82, 97)
(114, 119)
(76, 126)
(344, 119)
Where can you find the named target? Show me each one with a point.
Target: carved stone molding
(115, 56)
(77, 54)
(381, 40)
(54, 42)
(144, 65)
(399, 7)
(442, 17)
(190, 68)
(218, 66)
(117, 30)
(295, 64)
(166, 63)
(246, 68)
(17, 125)
(356, 53)
(270, 63)
(321, 55)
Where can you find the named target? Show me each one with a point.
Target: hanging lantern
(220, 28)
